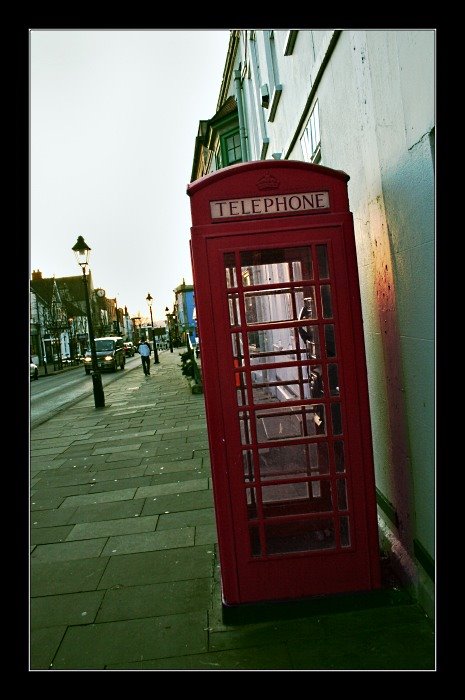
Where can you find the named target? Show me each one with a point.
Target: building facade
(362, 102)
(58, 318)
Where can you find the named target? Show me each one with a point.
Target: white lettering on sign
(275, 204)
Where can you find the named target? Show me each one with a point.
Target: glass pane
(330, 343)
(241, 389)
(281, 384)
(336, 416)
(251, 497)
(234, 311)
(315, 381)
(284, 496)
(345, 531)
(244, 422)
(308, 308)
(293, 499)
(247, 460)
(273, 306)
(333, 380)
(238, 349)
(230, 268)
(290, 423)
(283, 345)
(341, 494)
(339, 456)
(277, 265)
(242, 396)
(291, 461)
(299, 536)
(255, 546)
(326, 301)
(322, 256)
(311, 337)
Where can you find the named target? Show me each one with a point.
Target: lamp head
(81, 251)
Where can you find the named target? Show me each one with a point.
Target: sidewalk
(123, 566)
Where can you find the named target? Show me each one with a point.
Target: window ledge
(275, 101)
(290, 41)
(265, 144)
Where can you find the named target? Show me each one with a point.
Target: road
(51, 394)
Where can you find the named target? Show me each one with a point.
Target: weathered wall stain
(401, 485)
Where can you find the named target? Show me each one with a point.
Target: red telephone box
(283, 365)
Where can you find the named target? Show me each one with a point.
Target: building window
(233, 148)
(230, 151)
(310, 139)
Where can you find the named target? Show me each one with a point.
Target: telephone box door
(286, 398)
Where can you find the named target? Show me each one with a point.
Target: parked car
(34, 371)
(129, 349)
(110, 354)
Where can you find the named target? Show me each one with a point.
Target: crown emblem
(268, 182)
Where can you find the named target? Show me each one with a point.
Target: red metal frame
(250, 572)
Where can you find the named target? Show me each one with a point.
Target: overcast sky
(113, 121)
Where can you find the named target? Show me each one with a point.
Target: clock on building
(100, 292)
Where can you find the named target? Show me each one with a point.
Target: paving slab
(178, 502)
(115, 449)
(107, 528)
(52, 518)
(186, 518)
(177, 487)
(47, 451)
(47, 535)
(64, 551)
(187, 465)
(102, 497)
(269, 658)
(46, 502)
(155, 567)
(44, 644)
(50, 578)
(49, 481)
(117, 643)
(41, 492)
(118, 462)
(117, 483)
(66, 609)
(107, 511)
(155, 599)
(149, 541)
(205, 534)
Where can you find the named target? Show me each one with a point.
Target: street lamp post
(70, 339)
(82, 250)
(117, 319)
(168, 316)
(149, 300)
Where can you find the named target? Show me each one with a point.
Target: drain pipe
(240, 112)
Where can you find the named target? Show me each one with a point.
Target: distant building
(362, 102)
(184, 311)
(58, 317)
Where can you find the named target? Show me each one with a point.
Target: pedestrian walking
(145, 351)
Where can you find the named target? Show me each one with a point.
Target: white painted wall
(377, 109)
